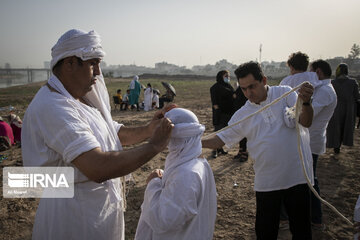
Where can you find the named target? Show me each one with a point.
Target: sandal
(242, 156)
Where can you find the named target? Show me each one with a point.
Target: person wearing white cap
(68, 123)
(180, 203)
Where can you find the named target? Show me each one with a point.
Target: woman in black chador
(222, 103)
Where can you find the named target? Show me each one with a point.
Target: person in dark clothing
(340, 130)
(167, 97)
(240, 101)
(222, 104)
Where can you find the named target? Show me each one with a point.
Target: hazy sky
(184, 32)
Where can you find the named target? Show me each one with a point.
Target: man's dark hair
(324, 67)
(342, 69)
(250, 68)
(299, 61)
(118, 91)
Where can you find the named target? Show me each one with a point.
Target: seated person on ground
(168, 97)
(16, 125)
(125, 100)
(6, 135)
(118, 94)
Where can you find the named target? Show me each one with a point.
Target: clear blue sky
(184, 32)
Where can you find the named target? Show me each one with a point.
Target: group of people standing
(69, 123)
(271, 140)
(131, 98)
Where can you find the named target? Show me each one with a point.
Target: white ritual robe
(184, 207)
(56, 129)
(181, 205)
(148, 95)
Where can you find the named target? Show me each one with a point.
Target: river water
(17, 77)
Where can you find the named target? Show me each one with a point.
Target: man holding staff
(272, 143)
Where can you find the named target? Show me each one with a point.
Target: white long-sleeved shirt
(271, 142)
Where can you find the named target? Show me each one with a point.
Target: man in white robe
(148, 96)
(68, 123)
(181, 202)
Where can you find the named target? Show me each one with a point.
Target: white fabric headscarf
(132, 83)
(185, 141)
(86, 46)
(77, 43)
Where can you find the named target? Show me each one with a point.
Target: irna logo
(34, 180)
(38, 182)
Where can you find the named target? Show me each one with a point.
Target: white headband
(186, 124)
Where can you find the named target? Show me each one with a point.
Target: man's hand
(161, 134)
(159, 115)
(306, 116)
(305, 92)
(156, 173)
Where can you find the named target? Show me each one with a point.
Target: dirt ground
(338, 177)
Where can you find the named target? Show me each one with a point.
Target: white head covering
(86, 46)
(77, 43)
(14, 119)
(185, 141)
(132, 83)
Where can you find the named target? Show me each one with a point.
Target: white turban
(132, 83)
(185, 141)
(77, 43)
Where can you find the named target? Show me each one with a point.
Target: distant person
(125, 103)
(155, 100)
(16, 126)
(148, 96)
(68, 123)
(222, 104)
(324, 103)
(180, 203)
(341, 127)
(239, 101)
(167, 97)
(135, 88)
(272, 143)
(6, 135)
(118, 94)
